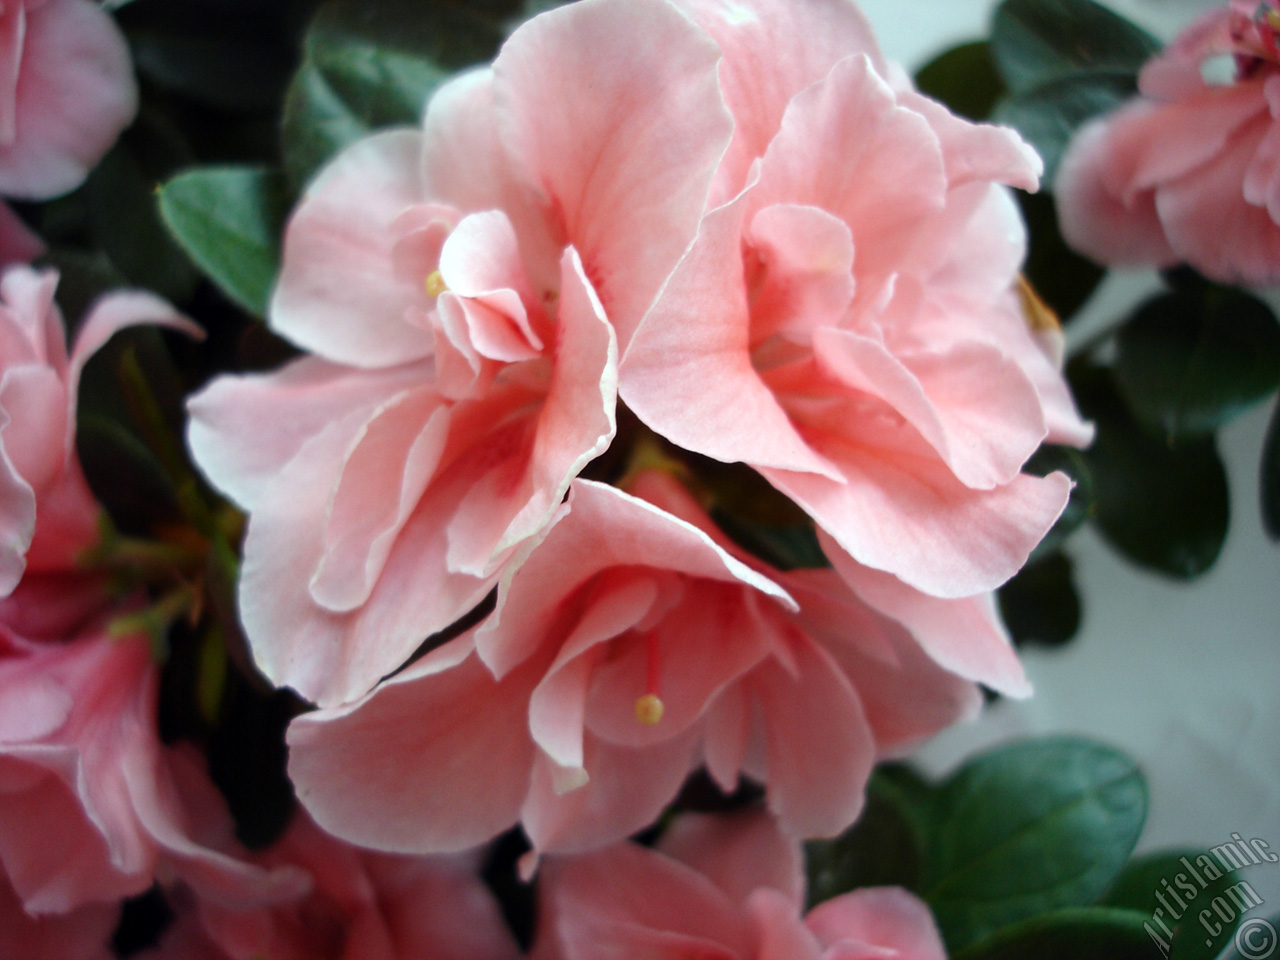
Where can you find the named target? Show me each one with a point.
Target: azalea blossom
(847, 321)
(465, 288)
(360, 906)
(84, 934)
(93, 807)
(47, 514)
(632, 645)
(66, 93)
(1187, 172)
(728, 887)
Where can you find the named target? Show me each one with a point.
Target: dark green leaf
(1062, 278)
(1028, 829)
(229, 220)
(1171, 888)
(1083, 933)
(1049, 114)
(1041, 604)
(1191, 361)
(230, 71)
(369, 66)
(1164, 508)
(1269, 482)
(965, 79)
(883, 848)
(120, 195)
(125, 477)
(1034, 41)
(82, 278)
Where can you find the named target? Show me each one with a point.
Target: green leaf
(1164, 508)
(1190, 361)
(1048, 115)
(1095, 933)
(1062, 278)
(368, 66)
(1034, 41)
(1170, 888)
(1040, 603)
(1028, 829)
(884, 846)
(965, 79)
(1269, 482)
(229, 219)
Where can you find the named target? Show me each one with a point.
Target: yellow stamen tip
(649, 709)
(435, 284)
(1273, 19)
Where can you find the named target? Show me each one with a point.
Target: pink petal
(963, 635)
(688, 372)
(779, 930)
(18, 244)
(820, 750)
(910, 516)
(435, 760)
(885, 917)
(890, 177)
(84, 934)
(387, 468)
(17, 517)
(976, 408)
(978, 152)
(627, 791)
(35, 437)
(574, 426)
(1122, 229)
(738, 852)
(647, 140)
(75, 94)
(338, 294)
(773, 49)
(1209, 223)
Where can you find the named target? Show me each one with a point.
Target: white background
(1185, 678)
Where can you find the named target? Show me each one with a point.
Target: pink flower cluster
(1188, 171)
(740, 220)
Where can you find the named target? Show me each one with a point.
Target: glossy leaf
(1034, 41)
(229, 220)
(965, 79)
(1028, 829)
(1048, 115)
(1096, 933)
(1171, 887)
(1040, 603)
(1190, 361)
(368, 66)
(1164, 508)
(1061, 277)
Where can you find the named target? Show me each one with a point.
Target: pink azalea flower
(83, 934)
(465, 287)
(360, 906)
(847, 320)
(720, 888)
(47, 514)
(1188, 172)
(66, 93)
(93, 808)
(627, 649)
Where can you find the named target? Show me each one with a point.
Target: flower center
(435, 284)
(649, 707)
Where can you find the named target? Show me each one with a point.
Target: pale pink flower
(466, 287)
(83, 934)
(47, 514)
(1188, 172)
(360, 906)
(66, 93)
(629, 648)
(847, 320)
(721, 888)
(93, 808)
